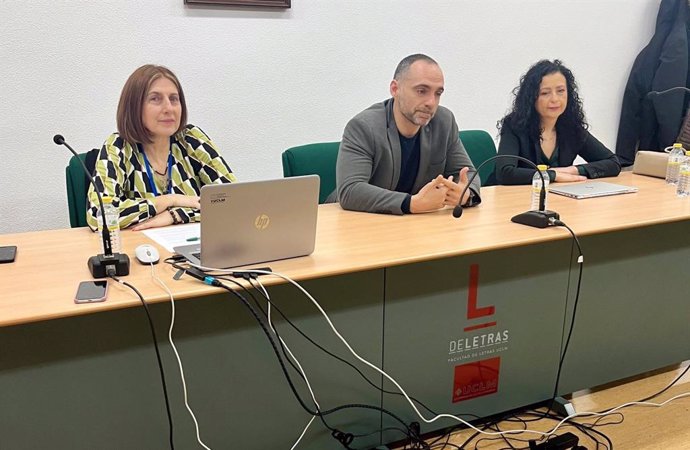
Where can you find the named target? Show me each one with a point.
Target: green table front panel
(634, 310)
(477, 334)
(92, 381)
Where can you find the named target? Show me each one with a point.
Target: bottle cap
(678, 145)
(542, 167)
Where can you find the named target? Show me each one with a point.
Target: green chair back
(480, 147)
(318, 159)
(78, 186)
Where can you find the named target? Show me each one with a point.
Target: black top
(553, 162)
(601, 161)
(409, 163)
(409, 166)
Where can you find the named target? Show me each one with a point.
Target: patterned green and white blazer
(121, 174)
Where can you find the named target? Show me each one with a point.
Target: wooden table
(376, 275)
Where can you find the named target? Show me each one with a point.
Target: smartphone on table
(91, 291)
(8, 253)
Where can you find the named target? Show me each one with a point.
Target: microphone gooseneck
(539, 219)
(108, 263)
(107, 244)
(457, 211)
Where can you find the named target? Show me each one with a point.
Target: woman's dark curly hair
(524, 115)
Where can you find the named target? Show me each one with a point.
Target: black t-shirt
(409, 162)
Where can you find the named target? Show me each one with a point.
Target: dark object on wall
(653, 123)
(263, 3)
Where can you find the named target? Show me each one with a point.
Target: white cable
(402, 391)
(624, 405)
(306, 380)
(354, 353)
(177, 355)
(303, 433)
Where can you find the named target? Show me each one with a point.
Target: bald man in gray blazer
(404, 155)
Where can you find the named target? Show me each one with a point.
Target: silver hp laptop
(591, 189)
(257, 221)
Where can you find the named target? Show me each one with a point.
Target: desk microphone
(539, 219)
(106, 263)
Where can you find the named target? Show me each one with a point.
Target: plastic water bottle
(676, 155)
(112, 219)
(536, 187)
(683, 189)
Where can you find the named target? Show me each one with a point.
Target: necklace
(165, 172)
(550, 137)
(168, 170)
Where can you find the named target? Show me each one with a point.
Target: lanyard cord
(152, 183)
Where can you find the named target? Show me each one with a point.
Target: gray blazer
(368, 166)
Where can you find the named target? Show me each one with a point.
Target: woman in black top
(547, 126)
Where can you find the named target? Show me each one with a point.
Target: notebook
(256, 221)
(591, 189)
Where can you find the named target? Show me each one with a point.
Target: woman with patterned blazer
(154, 167)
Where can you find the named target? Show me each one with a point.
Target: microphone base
(537, 219)
(99, 265)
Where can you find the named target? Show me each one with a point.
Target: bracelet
(175, 218)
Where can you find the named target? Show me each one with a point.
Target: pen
(192, 239)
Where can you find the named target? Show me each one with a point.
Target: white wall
(261, 81)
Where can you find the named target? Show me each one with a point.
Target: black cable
(412, 437)
(280, 312)
(344, 438)
(212, 279)
(158, 354)
(475, 434)
(561, 360)
(503, 436)
(604, 417)
(283, 349)
(560, 223)
(355, 368)
(667, 387)
(448, 432)
(280, 342)
(567, 342)
(585, 428)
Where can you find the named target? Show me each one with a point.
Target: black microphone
(539, 219)
(106, 263)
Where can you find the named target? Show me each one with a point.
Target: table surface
(41, 283)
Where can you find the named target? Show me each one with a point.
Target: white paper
(175, 235)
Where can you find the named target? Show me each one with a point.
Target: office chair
(480, 147)
(318, 159)
(78, 186)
